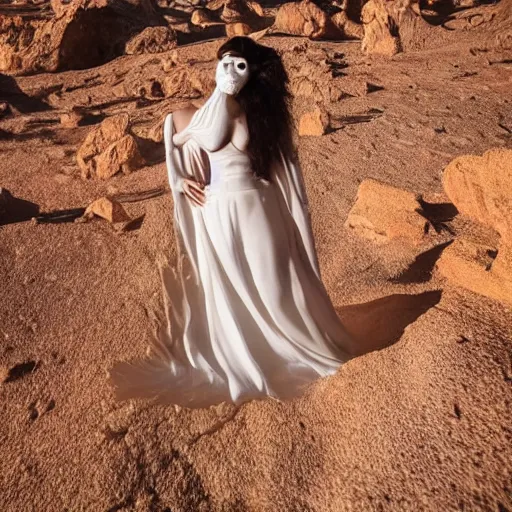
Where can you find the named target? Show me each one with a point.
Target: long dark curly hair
(265, 100)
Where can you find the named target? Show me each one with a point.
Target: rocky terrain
(403, 113)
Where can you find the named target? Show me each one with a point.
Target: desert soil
(420, 421)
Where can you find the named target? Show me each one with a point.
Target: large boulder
(241, 11)
(382, 213)
(481, 188)
(108, 149)
(122, 155)
(305, 19)
(391, 26)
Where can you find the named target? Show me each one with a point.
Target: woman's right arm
(191, 188)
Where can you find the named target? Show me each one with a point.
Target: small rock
(112, 190)
(314, 123)
(71, 119)
(108, 209)
(382, 213)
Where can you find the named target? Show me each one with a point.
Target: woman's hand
(194, 191)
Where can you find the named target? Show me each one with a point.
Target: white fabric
(248, 315)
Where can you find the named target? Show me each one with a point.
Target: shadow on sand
(9, 91)
(380, 323)
(13, 209)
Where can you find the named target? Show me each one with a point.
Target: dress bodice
(228, 163)
(210, 127)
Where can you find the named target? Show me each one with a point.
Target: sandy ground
(422, 424)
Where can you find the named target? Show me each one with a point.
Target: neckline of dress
(230, 143)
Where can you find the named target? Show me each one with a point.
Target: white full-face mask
(232, 74)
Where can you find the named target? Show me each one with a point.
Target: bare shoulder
(181, 118)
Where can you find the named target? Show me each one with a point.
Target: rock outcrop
(80, 35)
(152, 40)
(71, 119)
(305, 19)
(241, 11)
(320, 20)
(481, 189)
(313, 74)
(392, 26)
(108, 149)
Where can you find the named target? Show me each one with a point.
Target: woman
(249, 314)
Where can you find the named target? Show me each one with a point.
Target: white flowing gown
(247, 315)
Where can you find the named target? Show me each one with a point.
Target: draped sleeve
(288, 176)
(210, 126)
(188, 161)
